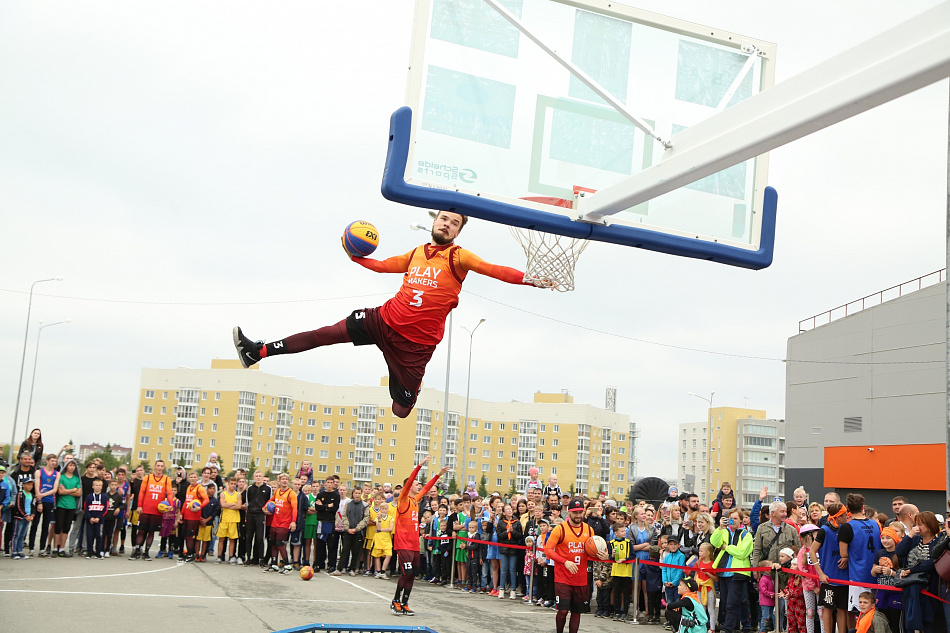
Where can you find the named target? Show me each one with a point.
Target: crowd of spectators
(659, 551)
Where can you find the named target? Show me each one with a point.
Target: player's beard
(571, 520)
(440, 238)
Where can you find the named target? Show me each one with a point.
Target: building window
(498, 482)
(339, 454)
(381, 414)
(258, 446)
(339, 426)
(394, 428)
(147, 409)
(164, 395)
(149, 394)
(146, 424)
(554, 442)
(500, 468)
(324, 454)
(212, 442)
(214, 411)
(311, 421)
(143, 455)
(144, 439)
(392, 457)
(376, 470)
(391, 472)
(201, 426)
(217, 395)
(540, 441)
(553, 457)
(161, 425)
(501, 426)
(311, 437)
(326, 424)
(339, 439)
(322, 468)
(501, 454)
(392, 442)
(486, 454)
(324, 439)
(488, 426)
(557, 428)
(327, 410)
(474, 423)
(540, 456)
(270, 432)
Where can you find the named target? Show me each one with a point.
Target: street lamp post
(36, 355)
(16, 410)
(706, 490)
(468, 391)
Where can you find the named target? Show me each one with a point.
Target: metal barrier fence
(352, 628)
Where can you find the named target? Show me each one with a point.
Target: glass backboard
(492, 119)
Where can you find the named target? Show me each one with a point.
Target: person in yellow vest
(622, 572)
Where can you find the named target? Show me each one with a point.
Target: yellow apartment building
(253, 419)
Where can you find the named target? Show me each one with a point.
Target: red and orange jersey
(406, 534)
(567, 543)
(285, 508)
(430, 288)
(154, 490)
(195, 492)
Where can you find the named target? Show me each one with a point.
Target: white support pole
(746, 67)
(586, 79)
(899, 61)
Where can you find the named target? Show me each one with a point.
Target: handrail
(853, 307)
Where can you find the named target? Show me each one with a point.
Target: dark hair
(855, 502)
(789, 506)
(929, 519)
(899, 498)
(39, 441)
(75, 466)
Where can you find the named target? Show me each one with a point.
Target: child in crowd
(766, 602)
(114, 501)
(23, 516)
(653, 584)
(794, 601)
(810, 583)
(94, 511)
(473, 549)
(440, 548)
(706, 580)
(528, 566)
(604, 584)
(621, 572)
(310, 526)
(230, 500)
(870, 620)
(383, 540)
(546, 567)
(169, 543)
(885, 571)
(208, 513)
(425, 557)
(552, 488)
(533, 481)
(672, 575)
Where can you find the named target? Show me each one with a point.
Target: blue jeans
(509, 568)
(486, 574)
(20, 528)
(766, 616)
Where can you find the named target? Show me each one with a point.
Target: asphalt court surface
(150, 596)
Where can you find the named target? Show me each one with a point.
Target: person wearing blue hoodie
(672, 575)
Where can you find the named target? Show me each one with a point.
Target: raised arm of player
(474, 263)
(425, 489)
(407, 488)
(397, 264)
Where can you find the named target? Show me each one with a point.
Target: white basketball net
(551, 258)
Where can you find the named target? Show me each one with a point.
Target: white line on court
(353, 584)
(179, 597)
(131, 573)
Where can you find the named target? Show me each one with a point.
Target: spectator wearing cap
(886, 570)
(810, 586)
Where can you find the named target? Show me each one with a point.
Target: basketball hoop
(551, 258)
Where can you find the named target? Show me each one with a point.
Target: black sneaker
(248, 350)
(406, 610)
(135, 554)
(145, 555)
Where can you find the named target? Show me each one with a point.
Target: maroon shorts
(150, 522)
(409, 562)
(406, 359)
(573, 598)
(279, 535)
(190, 527)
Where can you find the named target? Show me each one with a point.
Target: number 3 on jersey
(416, 298)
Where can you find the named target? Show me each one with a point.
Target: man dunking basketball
(565, 546)
(408, 327)
(406, 538)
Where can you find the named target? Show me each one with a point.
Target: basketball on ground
(306, 573)
(596, 547)
(360, 239)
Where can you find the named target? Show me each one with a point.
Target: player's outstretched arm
(397, 264)
(474, 263)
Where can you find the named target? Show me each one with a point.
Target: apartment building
(251, 419)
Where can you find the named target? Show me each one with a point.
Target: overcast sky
(190, 166)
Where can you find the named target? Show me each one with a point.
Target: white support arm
(899, 61)
(586, 79)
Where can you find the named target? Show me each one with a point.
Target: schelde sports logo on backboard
(445, 172)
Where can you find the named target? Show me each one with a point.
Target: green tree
(571, 490)
(71, 448)
(146, 465)
(453, 487)
(512, 490)
(483, 487)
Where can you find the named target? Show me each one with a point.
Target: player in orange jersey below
(284, 522)
(565, 546)
(406, 538)
(408, 327)
(156, 487)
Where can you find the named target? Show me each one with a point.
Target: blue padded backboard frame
(395, 188)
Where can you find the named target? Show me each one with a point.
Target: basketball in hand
(360, 239)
